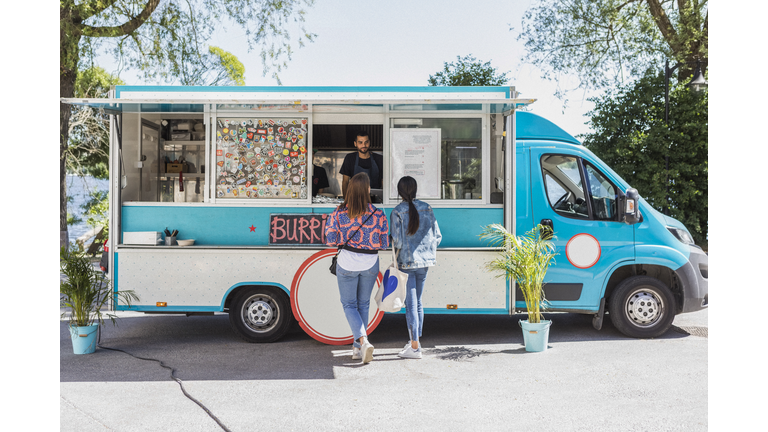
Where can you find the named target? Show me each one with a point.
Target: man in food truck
(363, 160)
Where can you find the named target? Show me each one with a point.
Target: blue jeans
(414, 313)
(355, 288)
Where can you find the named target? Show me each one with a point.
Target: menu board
(261, 158)
(416, 153)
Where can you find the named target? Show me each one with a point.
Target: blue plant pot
(535, 336)
(84, 338)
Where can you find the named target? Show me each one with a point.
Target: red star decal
(253, 228)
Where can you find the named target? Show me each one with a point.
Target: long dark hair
(357, 199)
(406, 188)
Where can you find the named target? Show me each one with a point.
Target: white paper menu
(415, 153)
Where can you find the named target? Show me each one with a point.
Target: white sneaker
(405, 348)
(408, 347)
(356, 353)
(410, 353)
(367, 350)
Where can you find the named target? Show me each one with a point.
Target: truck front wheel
(642, 307)
(260, 314)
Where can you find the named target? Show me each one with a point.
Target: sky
(402, 43)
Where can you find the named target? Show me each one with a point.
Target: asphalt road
(475, 375)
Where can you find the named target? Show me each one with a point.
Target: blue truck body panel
(608, 245)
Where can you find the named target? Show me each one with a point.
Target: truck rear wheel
(260, 314)
(642, 307)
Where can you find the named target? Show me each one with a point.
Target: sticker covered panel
(261, 158)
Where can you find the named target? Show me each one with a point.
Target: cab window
(562, 179)
(575, 188)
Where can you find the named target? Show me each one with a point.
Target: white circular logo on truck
(583, 251)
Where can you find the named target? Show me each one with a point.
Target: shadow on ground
(206, 348)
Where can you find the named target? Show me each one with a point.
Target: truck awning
(118, 106)
(304, 99)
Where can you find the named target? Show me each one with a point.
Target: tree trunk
(69, 40)
(67, 89)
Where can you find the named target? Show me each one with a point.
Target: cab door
(579, 202)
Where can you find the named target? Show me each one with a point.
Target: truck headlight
(682, 235)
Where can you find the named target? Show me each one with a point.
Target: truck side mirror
(630, 212)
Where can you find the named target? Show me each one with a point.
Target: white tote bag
(391, 294)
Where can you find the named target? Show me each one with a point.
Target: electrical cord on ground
(173, 377)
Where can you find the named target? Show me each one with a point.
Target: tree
(631, 137)
(230, 72)
(468, 71)
(608, 41)
(165, 40)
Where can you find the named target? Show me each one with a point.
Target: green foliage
(631, 137)
(96, 210)
(468, 71)
(525, 260)
(95, 82)
(610, 41)
(85, 290)
(234, 71)
(166, 40)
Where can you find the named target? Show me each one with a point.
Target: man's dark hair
(361, 133)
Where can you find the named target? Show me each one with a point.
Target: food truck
(211, 206)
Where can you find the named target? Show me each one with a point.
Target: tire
(642, 307)
(260, 314)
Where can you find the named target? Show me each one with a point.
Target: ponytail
(406, 188)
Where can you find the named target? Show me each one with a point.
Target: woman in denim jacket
(415, 236)
(363, 228)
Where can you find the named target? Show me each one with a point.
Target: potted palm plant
(525, 260)
(85, 290)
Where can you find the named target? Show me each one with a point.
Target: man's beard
(364, 150)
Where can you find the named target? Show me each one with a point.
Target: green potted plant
(525, 260)
(85, 290)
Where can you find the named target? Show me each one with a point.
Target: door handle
(549, 229)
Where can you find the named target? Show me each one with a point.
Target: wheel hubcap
(644, 308)
(259, 313)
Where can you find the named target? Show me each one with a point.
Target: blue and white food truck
(230, 169)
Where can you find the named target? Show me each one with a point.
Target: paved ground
(475, 375)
